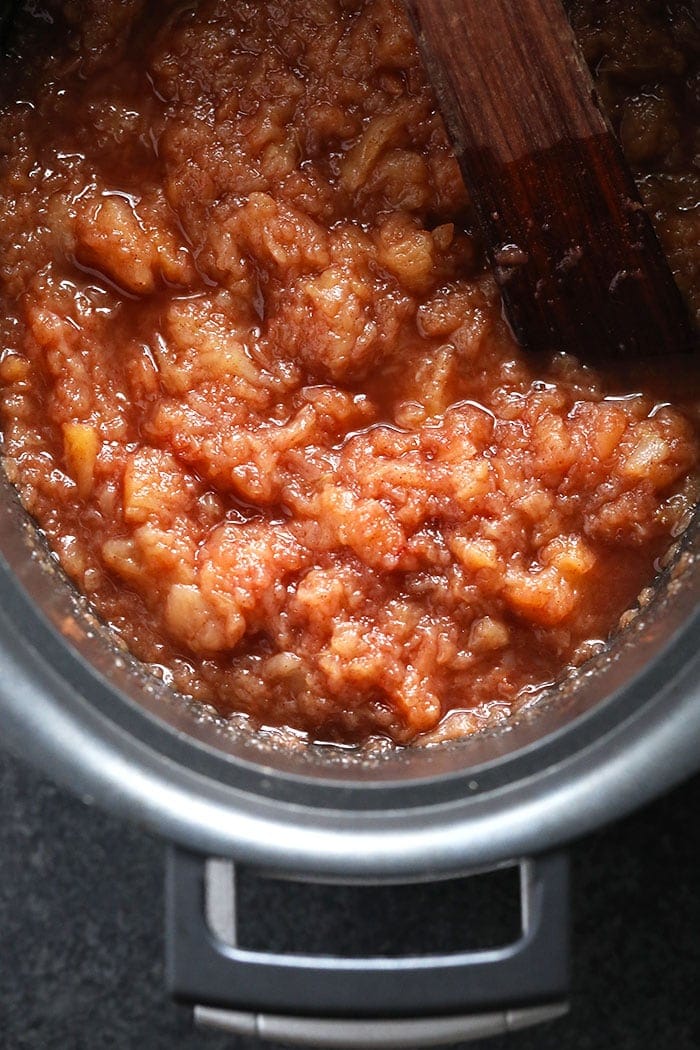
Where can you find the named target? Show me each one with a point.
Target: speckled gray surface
(81, 932)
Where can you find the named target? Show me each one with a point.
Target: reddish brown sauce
(256, 388)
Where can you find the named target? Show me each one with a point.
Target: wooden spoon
(577, 260)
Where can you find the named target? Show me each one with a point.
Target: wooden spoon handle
(578, 262)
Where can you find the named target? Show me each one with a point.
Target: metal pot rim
(644, 740)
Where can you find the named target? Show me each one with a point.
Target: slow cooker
(624, 728)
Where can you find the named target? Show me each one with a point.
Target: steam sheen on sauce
(256, 387)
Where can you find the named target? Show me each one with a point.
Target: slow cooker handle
(370, 1002)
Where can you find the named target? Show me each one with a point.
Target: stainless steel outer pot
(625, 729)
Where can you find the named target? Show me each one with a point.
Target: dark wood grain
(577, 259)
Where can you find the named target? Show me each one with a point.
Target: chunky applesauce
(256, 387)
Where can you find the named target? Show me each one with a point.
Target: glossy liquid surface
(256, 387)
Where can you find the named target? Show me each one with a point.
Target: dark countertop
(81, 928)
